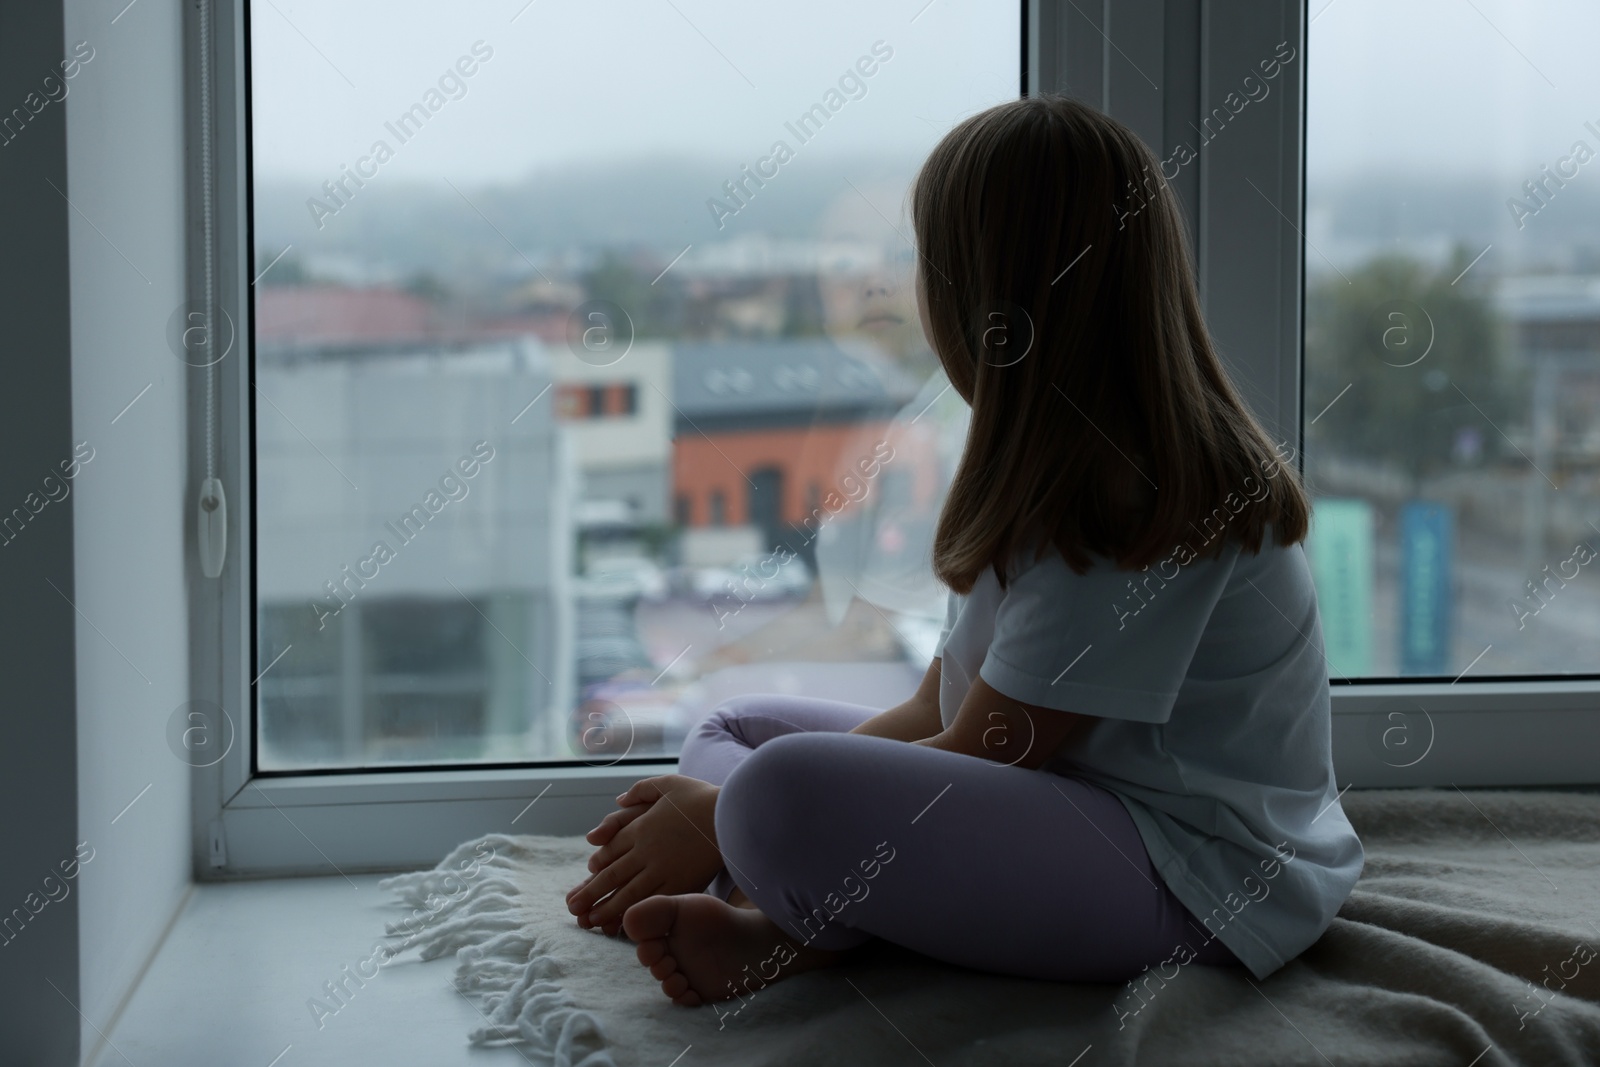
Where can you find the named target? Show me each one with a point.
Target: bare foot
(662, 840)
(702, 950)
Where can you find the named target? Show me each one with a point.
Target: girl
(1120, 755)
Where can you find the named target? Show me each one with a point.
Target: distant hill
(1362, 217)
(654, 203)
(660, 204)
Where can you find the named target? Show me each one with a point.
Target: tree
(286, 271)
(655, 310)
(1424, 361)
(428, 286)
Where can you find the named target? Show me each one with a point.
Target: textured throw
(1472, 939)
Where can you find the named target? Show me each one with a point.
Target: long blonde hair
(1105, 424)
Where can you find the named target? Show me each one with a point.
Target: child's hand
(609, 826)
(662, 840)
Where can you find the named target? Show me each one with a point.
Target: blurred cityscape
(708, 462)
(1452, 373)
(647, 512)
(672, 467)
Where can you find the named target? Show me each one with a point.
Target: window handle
(212, 527)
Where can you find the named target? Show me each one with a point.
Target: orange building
(765, 477)
(771, 433)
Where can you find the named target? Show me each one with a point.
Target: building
(314, 316)
(763, 429)
(1554, 322)
(617, 407)
(620, 418)
(1555, 329)
(413, 541)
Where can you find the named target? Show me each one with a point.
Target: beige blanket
(1471, 939)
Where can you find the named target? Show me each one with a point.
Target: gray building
(414, 540)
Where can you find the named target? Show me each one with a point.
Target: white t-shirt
(1210, 691)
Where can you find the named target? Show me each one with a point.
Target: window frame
(249, 824)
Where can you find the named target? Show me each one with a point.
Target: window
(572, 402)
(531, 639)
(605, 401)
(1453, 337)
(492, 342)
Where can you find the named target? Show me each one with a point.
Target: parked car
(759, 577)
(711, 583)
(643, 577)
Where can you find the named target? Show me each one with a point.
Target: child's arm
(914, 720)
(992, 726)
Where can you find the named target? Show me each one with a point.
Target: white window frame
(1250, 261)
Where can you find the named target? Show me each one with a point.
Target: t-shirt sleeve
(1111, 643)
(952, 607)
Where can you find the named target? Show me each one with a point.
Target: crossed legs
(834, 838)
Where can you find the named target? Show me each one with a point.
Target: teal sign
(1340, 547)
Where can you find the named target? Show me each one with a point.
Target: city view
(571, 425)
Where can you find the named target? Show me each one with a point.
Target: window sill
(232, 981)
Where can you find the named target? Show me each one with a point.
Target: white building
(618, 412)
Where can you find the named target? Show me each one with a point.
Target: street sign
(1427, 556)
(1340, 547)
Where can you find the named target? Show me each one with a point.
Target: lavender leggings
(840, 838)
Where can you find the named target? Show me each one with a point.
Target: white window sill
(231, 981)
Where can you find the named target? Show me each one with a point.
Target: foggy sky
(1421, 86)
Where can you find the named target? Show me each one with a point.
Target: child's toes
(650, 951)
(675, 986)
(664, 968)
(650, 918)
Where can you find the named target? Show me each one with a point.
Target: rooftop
(1550, 298)
(762, 383)
(296, 316)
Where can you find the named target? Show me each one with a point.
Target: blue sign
(1427, 550)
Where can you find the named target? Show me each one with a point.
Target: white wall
(643, 439)
(125, 176)
(395, 426)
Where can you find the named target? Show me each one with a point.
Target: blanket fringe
(512, 977)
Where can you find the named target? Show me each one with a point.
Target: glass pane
(589, 384)
(1453, 335)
